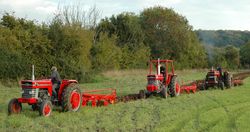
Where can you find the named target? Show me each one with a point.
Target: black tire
(142, 94)
(202, 87)
(14, 107)
(34, 107)
(147, 94)
(172, 86)
(221, 85)
(71, 91)
(164, 93)
(227, 80)
(45, 108)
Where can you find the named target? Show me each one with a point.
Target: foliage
(106, 55)
(169, 35)
(244, 55)
(80, 47)
(71, 49)
(226, 57)
(232, 56)
(126, 26)
(221, 38)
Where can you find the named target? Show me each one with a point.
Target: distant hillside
(223, 37)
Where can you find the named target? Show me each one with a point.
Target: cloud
(40, 10)
(202, 14)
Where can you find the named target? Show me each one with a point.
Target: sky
(201, 14)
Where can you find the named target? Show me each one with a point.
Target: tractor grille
(153, 82)
(28, 93)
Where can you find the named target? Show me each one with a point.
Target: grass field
(212, 110)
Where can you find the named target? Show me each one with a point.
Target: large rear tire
(71, 98)
(227, 80)
(173, 87)
(45, 108)
(14, 107)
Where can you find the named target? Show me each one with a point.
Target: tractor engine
(154, 82)
(35, 90)
(212, 77)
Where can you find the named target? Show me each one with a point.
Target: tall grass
(212, 110)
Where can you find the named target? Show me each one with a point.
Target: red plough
(189, 88)
(98, 98)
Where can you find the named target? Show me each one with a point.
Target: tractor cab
(161, 75)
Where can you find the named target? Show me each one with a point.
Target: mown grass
(212, 110)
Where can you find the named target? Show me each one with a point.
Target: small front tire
(164, 93)
(14, 107)
(45, 108)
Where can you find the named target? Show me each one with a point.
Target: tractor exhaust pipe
(158, 66)
(33, 73)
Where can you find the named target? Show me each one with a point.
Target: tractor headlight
(22, 92)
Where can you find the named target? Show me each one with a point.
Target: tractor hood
(36, 83)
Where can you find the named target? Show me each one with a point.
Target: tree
(169, 35)
(71, 46)
(244, 55)
(106, 55)
(127, 27)
(232, 56)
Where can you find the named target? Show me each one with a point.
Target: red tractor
(215, 78)
(163, 81)
(38, 94)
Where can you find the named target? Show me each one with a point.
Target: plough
(189, 88)
(99, 97)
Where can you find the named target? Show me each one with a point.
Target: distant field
(212, 110)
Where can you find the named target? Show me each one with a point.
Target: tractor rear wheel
(71, 98)
(174, 87)
(227, 80)
(45, 108)
(14, 107)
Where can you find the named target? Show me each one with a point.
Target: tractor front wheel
(221, 85)
(14, 107)
(71, 98)
(34, 107)
(164, 93)
(45, 108)
(142, 94)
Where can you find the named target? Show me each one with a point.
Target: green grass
(212, 110)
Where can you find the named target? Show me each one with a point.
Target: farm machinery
(163, 81)
(215, 78)
(38, 94)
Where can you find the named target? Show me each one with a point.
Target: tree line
(227, 48)
(80, 47)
